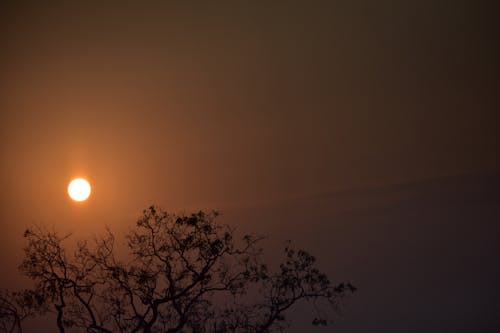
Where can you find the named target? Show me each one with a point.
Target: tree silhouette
(183, 273)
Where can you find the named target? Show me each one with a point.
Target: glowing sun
(79, 189)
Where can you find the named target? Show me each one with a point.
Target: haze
(365, 131)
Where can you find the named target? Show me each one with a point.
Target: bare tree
(17, 306)
(183, 273)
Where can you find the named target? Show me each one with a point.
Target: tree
(17, 306)
(183, 273)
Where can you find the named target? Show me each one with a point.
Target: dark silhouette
(183, 273)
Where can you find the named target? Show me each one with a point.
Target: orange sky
(231, 106)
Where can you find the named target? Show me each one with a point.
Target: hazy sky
(246, 107)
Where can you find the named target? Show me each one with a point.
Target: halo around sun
(79, 189)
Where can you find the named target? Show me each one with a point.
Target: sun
(79, 189)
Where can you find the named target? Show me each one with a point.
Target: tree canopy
(183, 273)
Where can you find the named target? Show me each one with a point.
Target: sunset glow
(79, 189)
(147, 147)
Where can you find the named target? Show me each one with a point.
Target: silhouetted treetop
(183, 273)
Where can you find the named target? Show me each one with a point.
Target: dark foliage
(183, 274)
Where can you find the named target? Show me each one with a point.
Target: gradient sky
(352, 127)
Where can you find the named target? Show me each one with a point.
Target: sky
(365, 131)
